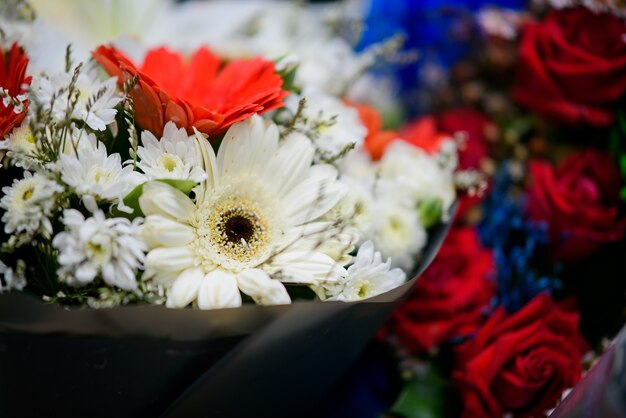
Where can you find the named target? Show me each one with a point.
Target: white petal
(185, 288)
(159, 198)
(305, 267)
(159, 231)
(260, 287)
(209, 165)
(169, 259)
(245, 147)
(219, 290)
(315, 196)
(286, 168)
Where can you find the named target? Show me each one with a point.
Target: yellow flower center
(169, 162)
(28, 193)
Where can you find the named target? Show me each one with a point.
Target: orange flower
(13, 78)
(204, 92)
(424, 133)
(377, 139)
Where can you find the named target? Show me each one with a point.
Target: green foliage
(426, 395)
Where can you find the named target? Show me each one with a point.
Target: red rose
(520, 363)
(13, 63)
(572, 66)
(451, 296)
(473, 124)
(203, 92)
(578, 201)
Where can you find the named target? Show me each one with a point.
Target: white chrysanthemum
(174, 156)
(339, 68)
(417, 174)
(368, 276)
(94, 175)
(332, 126)
(356, 207)
(358, 166)
(251, 226)
(272, 29)
(98, 246)
(397, 231)
(29, 202)
(21, 147)
(96, 101)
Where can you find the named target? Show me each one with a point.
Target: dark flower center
(239, 228)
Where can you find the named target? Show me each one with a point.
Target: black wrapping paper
(602, 392)
(149, 361)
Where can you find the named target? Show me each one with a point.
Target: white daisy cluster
(393, 201)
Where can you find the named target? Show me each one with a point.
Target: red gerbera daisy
(204, 92)
(13, 63)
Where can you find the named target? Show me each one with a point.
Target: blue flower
(442, 32)
(516, 243)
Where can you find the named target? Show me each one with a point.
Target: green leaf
(426, 396)
(132, 198)
(430, 211)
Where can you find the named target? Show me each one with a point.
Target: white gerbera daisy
(250, 226)
(333, 126)
(368, 276)
(29, 202)
(94, 175)
(174, 156)
(96, 101)
(99, 246)
(21, 147)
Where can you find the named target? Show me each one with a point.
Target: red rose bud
(450, 298)
(571, 71)
(578, 201)
(203, 92)
(520, 363)
(13, 63)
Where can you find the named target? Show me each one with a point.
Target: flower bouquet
(191, 216)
